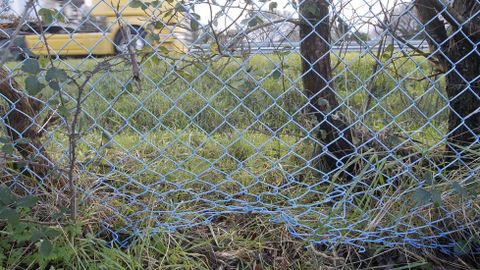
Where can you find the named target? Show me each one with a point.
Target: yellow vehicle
(107, 27)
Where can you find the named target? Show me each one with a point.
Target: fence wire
(350, 122)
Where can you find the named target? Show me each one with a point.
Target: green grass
(236, 94)
(231, 133)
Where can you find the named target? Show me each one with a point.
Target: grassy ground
(233, 242)
(232, 135)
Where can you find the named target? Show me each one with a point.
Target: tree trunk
(335, 133)
(458, 56)
(21, 122)
(463, 91)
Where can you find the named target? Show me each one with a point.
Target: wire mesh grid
(350, 122)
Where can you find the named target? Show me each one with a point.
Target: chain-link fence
(350, 122)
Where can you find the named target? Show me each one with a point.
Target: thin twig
(131, 51)
(73, 136)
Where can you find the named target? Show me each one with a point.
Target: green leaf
(54, 85)
(324, 103)
(31, 66)
(152, 37)
(58, 16)
(21, 232)
(159, 25)
(56, 74)
(436, 196)
(135, 4)
(23, 141)
(144, 6)
(394, 140)
(428, 177)
(4, 139)
(168, 13)
(272, 6)
(37, 235)
(459, 189)
(45, 248)
(180, 8)
(6, 196)
(51, 233)
(8, 148)
(277, 73)
(46, 15)
(254, 21)
(194, 24)
(27, 202)
(421, 196)
(33, 86)
(10, 214)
